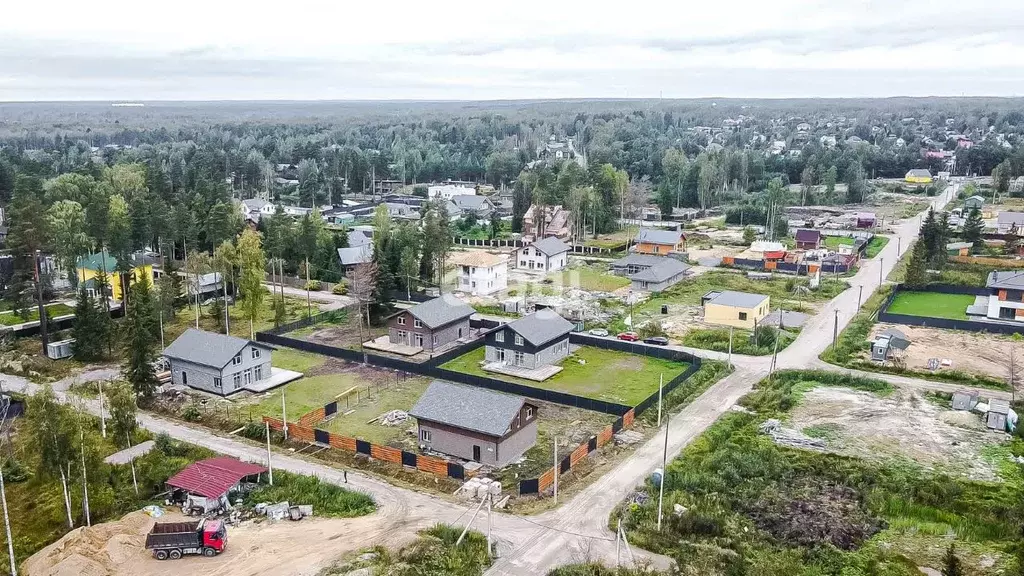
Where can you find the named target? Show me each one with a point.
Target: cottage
(255, 208)
(205, 285)
(918, 176)
(431, 325)
(959, 248)
(730, 308)
(354, 256)
(217, 363)
(889, 344)
(998, 412)
(89, 268)
(554, 221)
(480, 272)
(658, 275)
(808, 239)
(530, 342)
(865, 220)
(1006, 295)
(1010, 222)
(212, 480)
(965, 400)
(463, 205)
(974, 202)
(475, 424)
(650, 241)
(547, 255)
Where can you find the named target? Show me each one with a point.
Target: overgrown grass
(710, 371)
(717, 339)
(755, 507)
(32, 314)
(291, 359)
(326, 499)
(432, 554)
(875, 246)
(594, 278)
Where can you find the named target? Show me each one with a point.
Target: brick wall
(313, 418)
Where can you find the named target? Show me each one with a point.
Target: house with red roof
(213, 479)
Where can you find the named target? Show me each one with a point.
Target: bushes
(326, 499)
(340, 289)
(433, 554)
(313, 285)
(758, 343)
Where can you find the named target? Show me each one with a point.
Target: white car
(598, 332)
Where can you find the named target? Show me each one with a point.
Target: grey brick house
(532, 341)
(431, 325)
(217, 363)
(651, 273)
(474, 424)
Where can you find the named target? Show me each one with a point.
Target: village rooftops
(634, 259)
(541, 327)
(441, 311)
(478, 258)
(660, 270)
(356, 255)
(1005, 279)
(551, 246)
(207, 348)
(919, 173)
(467, 407)
(735, 299)
(96, 261)
(808, 235)
(668, 237)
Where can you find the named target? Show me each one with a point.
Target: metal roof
(1010, 218)
(541, 327)
(999, 406)
(208, 348)
(551, 246)
(213, 477)
(808, 236)
(357, 255)
(442, 310)
(1005, 279)
(97, 260)
(671, 237)
(467, 407)
(894, 333)
(919, 172)
(958, 245)
(357, 238)
(738, 299)
(661, 270)
(635, 259)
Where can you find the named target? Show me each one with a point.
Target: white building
(446, 191)
(546, 255)
(480, 272)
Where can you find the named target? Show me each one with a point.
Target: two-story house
(1006, 295)
(533, 341)
(546, 255)
(660, 242)
(431, 325)
(463, 205)
(480, 272)
(217, 363)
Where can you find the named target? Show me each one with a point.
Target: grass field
(875, 246)
(837, 241)
(593, 278)
(603, 374)
(290, 359)
(52, 311)
(932, 305)
(353, 421)
(295, 308)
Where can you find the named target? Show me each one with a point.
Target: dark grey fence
(300, 323)
(948, 323)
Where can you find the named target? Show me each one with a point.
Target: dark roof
(442, 310)
(671, 237)
(894, 333)
(208, 348)
(637, 260)
(467, 407)
(1005, 279)
(664, 269)
(358, 238)
(551, 246)
(738, 299)
(808, 236)
(541, 327)
(470, 202)
(356, 255)
(213, 477)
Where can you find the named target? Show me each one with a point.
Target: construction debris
(479, 488)
(789, 437)
(628, 437)
(392, 418)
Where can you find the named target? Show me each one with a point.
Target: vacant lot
(970, 352)
(357, 415)
(186, 318)
(595, 278)
(592, 373)
(875, 246)
(932, 305)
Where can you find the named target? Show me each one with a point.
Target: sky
(126, 50)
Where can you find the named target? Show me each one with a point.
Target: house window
(237, 359)
(417, 324)
(255, 352)
(460, 333)
(401, 320)
(499, 336)
(519, 340)
(419, 339)
(425, 435)
(184, 377)
(522, 263)
(434, 340)
(401, 334)
(529, 412)
(258, 373)
(238, 380)
(520, 357)
(217, 383)
(499, 355)
(743, 315)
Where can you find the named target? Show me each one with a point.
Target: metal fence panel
(456, 471)
(408, 459)
(530, 486)
(322, 436)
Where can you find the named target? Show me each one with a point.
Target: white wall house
(546, 255)
(480, 272)
(446, 191)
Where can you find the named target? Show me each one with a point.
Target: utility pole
(131, 460)
(284, 415)
(39, 303)
(898, 246)
(664, 472)
(730, 346)
(661, 385)
(555, 469)
(103, 416)
(881, 264)
(309, 308)
(5, 404)
(270, 465)
(835, 332)
(860, 294)
(490, 500)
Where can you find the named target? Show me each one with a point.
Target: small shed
(959, 248)
(998, 410)
(974, 202)
(212, 480)
(59, 349)
(866, 219)
(808, 239)
(965, 400)
(887, 343)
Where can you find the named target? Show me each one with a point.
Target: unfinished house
(432, 325)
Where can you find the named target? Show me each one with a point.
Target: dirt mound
(93, 550)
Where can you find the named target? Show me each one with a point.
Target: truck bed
(174, 535)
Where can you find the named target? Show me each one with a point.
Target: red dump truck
(174, 539)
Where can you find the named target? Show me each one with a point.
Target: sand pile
(93, 550)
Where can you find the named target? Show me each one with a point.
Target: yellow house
(918, 176)
(660, 242)
(739, 309)
(88, 269)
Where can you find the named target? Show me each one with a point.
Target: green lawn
(875, 246)
(837, 241)
(289, 359)
(603, 374)
(52, 311)
(295, 308)
(589, 277)
(932, 304)
(352, 419)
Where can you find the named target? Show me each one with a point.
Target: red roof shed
(213, 477)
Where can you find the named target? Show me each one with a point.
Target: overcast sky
(466, 50)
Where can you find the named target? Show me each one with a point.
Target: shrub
(191, 413)
(326, 499)
(313, 285)
(650, 328)
(340, 289)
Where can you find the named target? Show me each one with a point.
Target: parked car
(598, 332)
(628, 336)
(656, 340)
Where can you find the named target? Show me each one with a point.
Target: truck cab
(215, 535)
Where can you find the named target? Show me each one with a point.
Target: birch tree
(251, 263)
(52, 434)
(225, 257)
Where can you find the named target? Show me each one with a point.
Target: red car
(628, 336)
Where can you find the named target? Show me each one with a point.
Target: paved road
(326, 300)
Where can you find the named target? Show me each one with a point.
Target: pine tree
(973, 228)
(951, 563)
(917, 270)
(140, 339)
(89, 329)
(929, 234)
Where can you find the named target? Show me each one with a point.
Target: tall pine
(973, 228)
(917, 270)
(90, 328)
(28, 234)
(141, 336)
